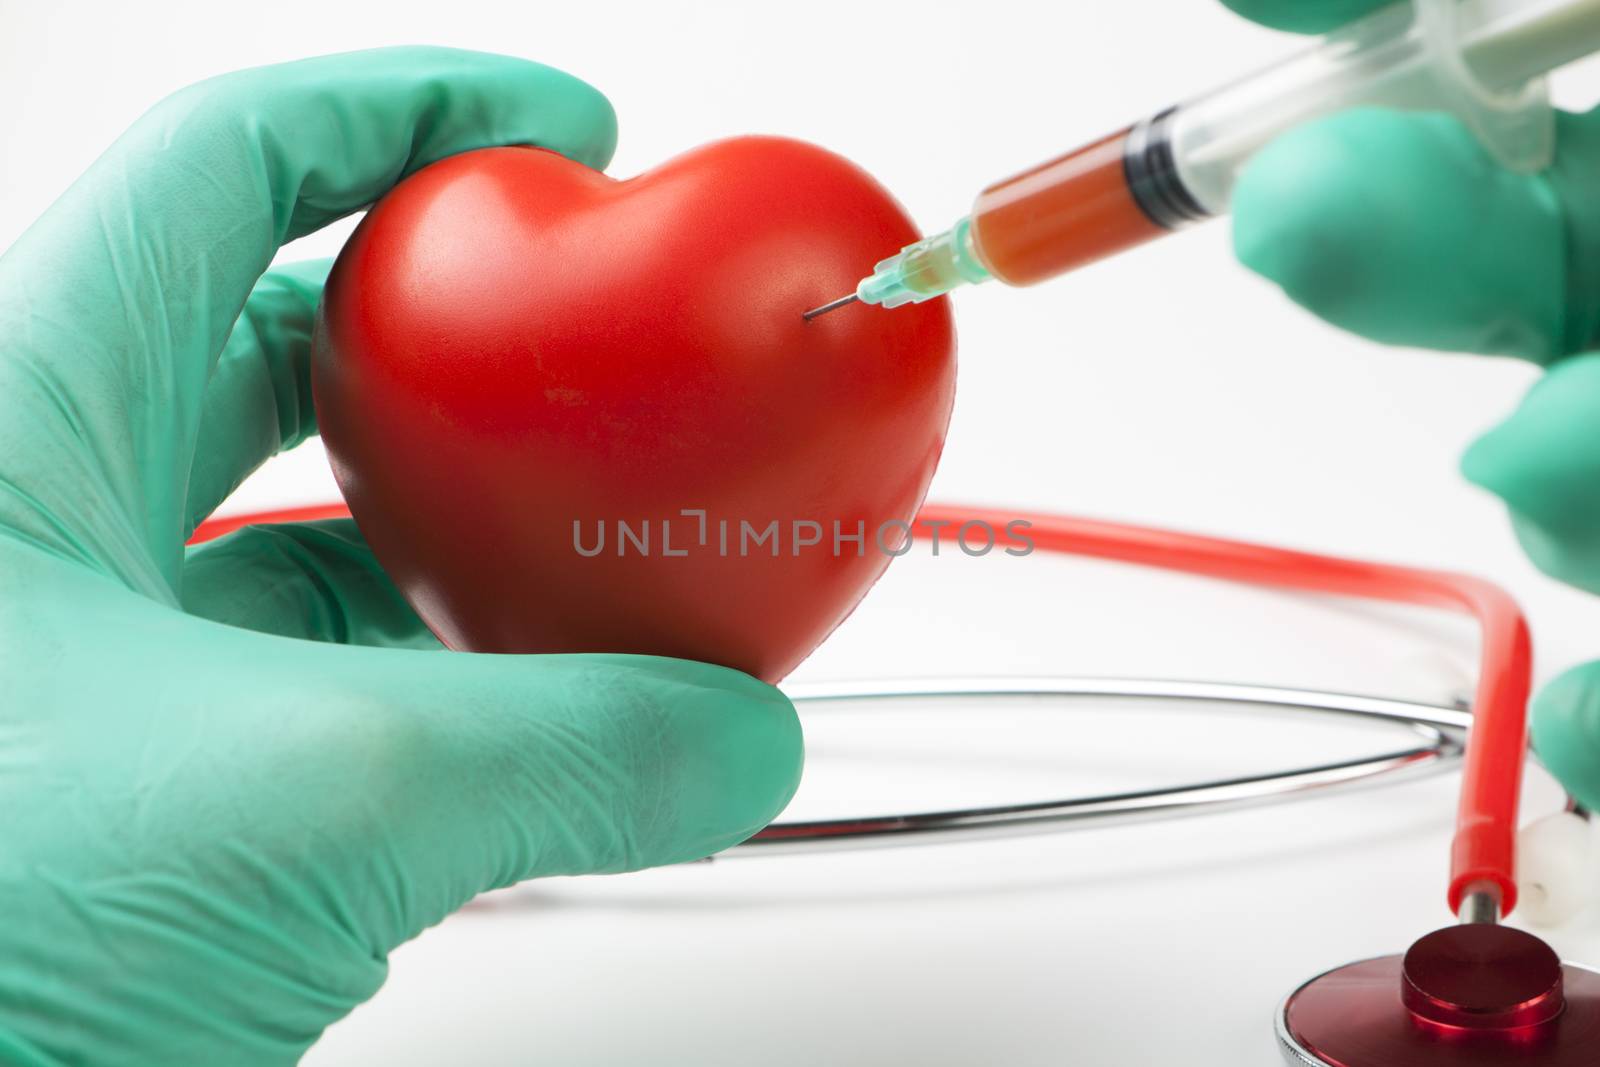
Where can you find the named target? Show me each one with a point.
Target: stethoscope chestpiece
(1482, 977)
(1472, 995)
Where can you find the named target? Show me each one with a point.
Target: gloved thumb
(1566, 731)
(1438, 247)
(437, 776)
(1544, 462)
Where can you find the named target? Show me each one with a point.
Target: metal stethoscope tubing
(1441, 733)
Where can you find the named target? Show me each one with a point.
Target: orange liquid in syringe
(1061, 215)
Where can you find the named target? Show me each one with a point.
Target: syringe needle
(832, 306)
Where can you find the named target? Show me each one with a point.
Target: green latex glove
(223, 803)
(1401, 228)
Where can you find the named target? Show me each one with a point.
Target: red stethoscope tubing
(1486, 821)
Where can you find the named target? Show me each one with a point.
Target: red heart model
(576, 414)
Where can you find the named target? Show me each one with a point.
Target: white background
(1169, 387)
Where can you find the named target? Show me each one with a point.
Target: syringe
(1480, 59)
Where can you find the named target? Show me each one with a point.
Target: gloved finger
(314, 580)
(257, 402)
(1400, 227)
(1544, 462)
(1566, 731)
(116, 303)
(1304, 16)
(437, 777)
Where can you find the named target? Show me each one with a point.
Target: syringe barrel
(1180, 166)
(1062, 214)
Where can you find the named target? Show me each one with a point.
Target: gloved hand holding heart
(577, 414)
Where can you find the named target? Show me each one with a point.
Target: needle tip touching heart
(831, 306)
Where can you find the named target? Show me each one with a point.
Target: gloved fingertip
(1557, 539)
(1544, 462)
(738, 757)
(593, 113)
(1494, 462)
(554, 109)
(1289, 225)
(1566, 731)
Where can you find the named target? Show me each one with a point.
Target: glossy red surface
(1355, 1017)
(512, 343)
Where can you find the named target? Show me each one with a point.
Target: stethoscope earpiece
(1556, 868)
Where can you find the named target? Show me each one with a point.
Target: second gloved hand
(1400, 227)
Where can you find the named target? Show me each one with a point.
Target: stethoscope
(1468, 994)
